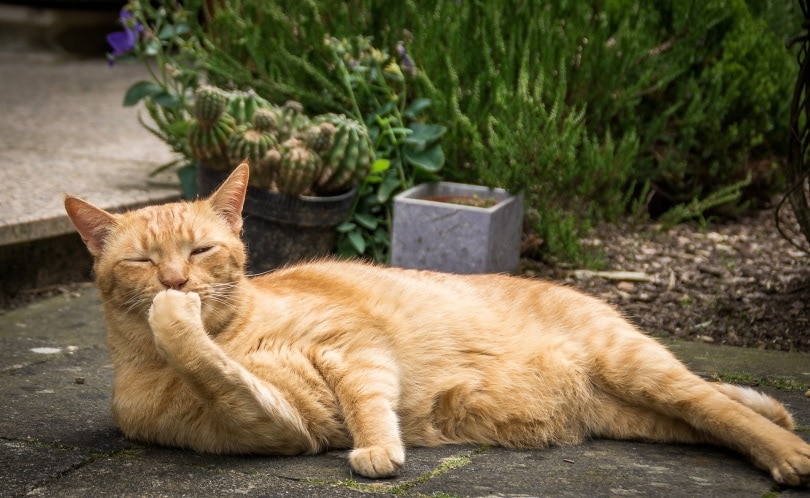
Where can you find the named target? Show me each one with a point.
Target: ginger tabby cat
(334, 354)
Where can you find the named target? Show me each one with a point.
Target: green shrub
(582, 105)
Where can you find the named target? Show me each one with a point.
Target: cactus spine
(252, 145)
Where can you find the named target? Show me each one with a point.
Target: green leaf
(366, 220)
(165, 166)
(382, 237)
(380, 165)
(188, 181)
(178, 128)
(385, 109)
(346, 226)
(430, 160)
(170, 31)
(387, 187)
(139, 91)
(166, 99)
(358, 242)
(424, 135)
(416, 108)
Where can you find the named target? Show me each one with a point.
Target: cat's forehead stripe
(160, 223)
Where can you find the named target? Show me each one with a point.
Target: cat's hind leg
(618, 419)
(759, 402)
(614, 418)
(635, 368)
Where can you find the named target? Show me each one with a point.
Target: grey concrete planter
(455, 238)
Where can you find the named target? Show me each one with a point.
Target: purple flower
(407, 63)
(124, 41)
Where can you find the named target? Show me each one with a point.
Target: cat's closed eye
(140, 260)
(201, 250)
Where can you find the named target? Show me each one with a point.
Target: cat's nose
(174, 283)
(172, 275)
(173, 278)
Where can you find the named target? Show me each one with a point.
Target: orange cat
(348, 355)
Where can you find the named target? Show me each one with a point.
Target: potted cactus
(304, 171)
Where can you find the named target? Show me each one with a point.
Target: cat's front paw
(173, 315)
(377, 461)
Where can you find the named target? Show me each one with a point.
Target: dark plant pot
(431, 233)
(281, 229)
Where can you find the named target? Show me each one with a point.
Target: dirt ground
(737, 282)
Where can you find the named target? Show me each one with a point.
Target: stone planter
(431, 233)
(280, 229)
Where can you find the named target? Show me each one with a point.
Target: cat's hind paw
(794, 470)
(377, 461)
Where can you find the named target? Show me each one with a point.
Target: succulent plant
(320, 136)
(265, 120)
(242, 105)
(347, 160)
(297, 168)
(209, 104)
(208, 133)
(253, 145)
(284, 148)
(291, 120)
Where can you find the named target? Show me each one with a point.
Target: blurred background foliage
(594, 109)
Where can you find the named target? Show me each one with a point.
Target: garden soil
(738, 282)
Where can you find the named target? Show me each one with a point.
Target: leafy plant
(163, 37)
(408, 151)
(591, 108)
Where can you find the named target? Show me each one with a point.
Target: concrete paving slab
(28, 335)
(602, 468)
(737, 364)
(63, 402)
(133, 475)
(57, 437)
(26, 464)
(64, 130)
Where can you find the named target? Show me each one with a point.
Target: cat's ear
(93, 223)
(229, 198)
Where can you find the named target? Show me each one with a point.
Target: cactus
(297, 168)
(285, 150)
(209, 104)
(265, 120)
(208, 133)
(291, 120)
(243, 105)
(320, 137)
(253, 145)
(348, 160)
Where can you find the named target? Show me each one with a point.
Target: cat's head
(188, 246)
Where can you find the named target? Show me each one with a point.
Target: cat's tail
(759, 402)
